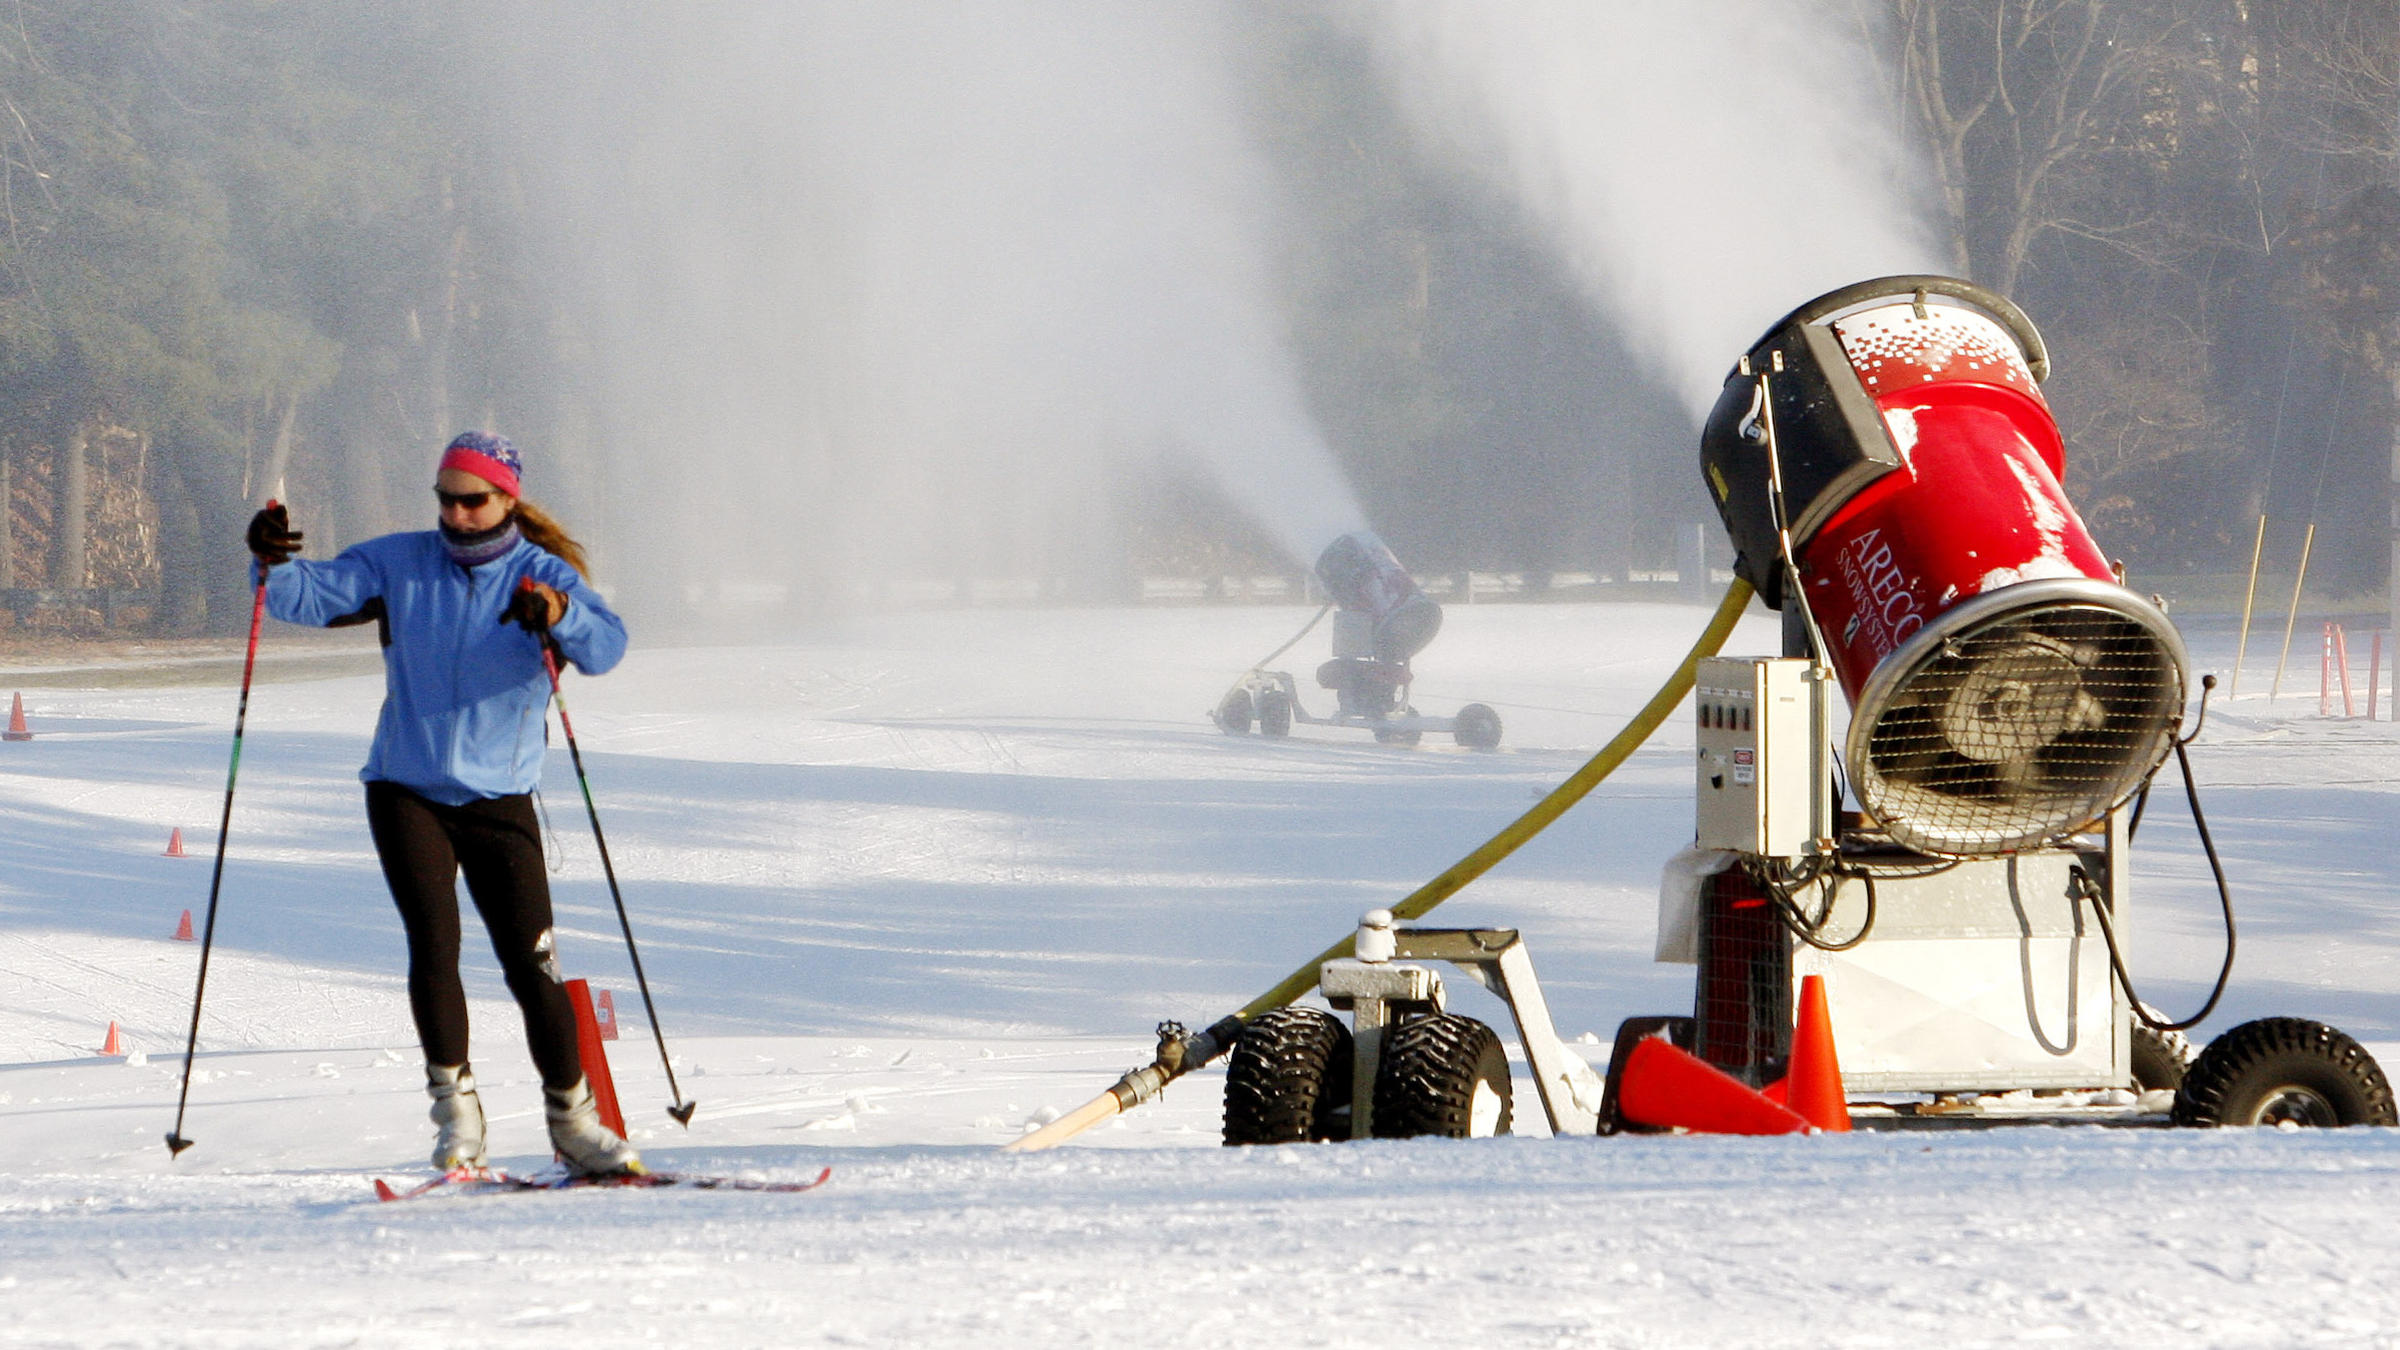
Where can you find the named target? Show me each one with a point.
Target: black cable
(2208, 686)
(1779, 511)
(1313, 622)
(2108, 933)
(1866, 924)
(2141, 802)
(550, 843)
(1860, 869)
(1798, 923)
(2216, 869)
(1243, 684)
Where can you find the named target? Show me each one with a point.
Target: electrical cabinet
(1763, 784)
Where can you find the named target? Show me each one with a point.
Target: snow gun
(1381, 620)
(1888, 470)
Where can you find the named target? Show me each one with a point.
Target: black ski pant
(497, 843)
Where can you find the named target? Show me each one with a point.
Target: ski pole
(176, 1143)
(681, 1110)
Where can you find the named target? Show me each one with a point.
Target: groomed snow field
(906, 886)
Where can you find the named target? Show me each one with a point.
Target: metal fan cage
(2018, 717)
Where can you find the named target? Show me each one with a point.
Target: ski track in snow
(906, 886)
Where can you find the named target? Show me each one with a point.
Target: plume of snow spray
(1701, 167)
(909, 287)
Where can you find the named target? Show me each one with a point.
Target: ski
(491, 1181)
(384, 1190)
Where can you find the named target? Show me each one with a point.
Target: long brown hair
(547, 534)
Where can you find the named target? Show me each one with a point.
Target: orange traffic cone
(17, 730)
(604, 1011)
(183, 928)
(175, 843)
(1668, 1088)
(1815, 1081)
(112, 1046)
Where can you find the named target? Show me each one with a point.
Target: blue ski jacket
(464, 693)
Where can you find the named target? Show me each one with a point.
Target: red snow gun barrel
(1889, 447)
(1395, 619)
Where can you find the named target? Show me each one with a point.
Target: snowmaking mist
(1701, 168)
(907, 290)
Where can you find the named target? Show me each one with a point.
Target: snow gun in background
(1381, 620)
(1888, 470)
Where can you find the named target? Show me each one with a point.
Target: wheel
(1233, 712)
(1442, 1075)
(1274, 713)
(2160, 1058)
(2284, 1070)
(1398, 735)
(1288, 1081)
(1477, 728)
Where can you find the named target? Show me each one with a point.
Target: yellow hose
(1548, 809)
(1579, 784)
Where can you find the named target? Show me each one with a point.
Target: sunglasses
(472, 501)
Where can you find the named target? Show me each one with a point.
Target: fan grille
(2020, 728)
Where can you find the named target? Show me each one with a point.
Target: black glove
(272, 539)
(534, 607)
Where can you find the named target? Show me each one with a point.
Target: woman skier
(463, 611)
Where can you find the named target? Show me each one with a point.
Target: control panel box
(1763, 784)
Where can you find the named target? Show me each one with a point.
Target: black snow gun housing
(1381, 620)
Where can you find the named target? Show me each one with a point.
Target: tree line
(2197, 201)
(251, 242)
(2202, 203)
(243, 243)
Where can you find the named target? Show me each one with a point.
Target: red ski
(385, 1191)
(490, 1181)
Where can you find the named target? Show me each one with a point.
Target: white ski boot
(588, 1147)
(457, 1114)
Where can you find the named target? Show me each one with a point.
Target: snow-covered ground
(905, 885)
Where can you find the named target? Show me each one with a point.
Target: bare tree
(2022, 107)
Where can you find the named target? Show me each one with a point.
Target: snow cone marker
(1666, 1087)
(115, 1045)
(1814, 1084)
(17, 730)
(175, 850)
(604, 1012)
(183, 928)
